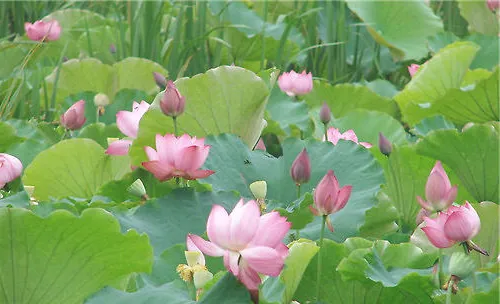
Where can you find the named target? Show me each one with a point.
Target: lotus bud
(438, 190)
(74, 117)
(137, 188)
(461, 265)
(112, 48)
(301, 168)
(10, 168)
(493, 5)
(172, 102)
(160, 80)
(325, 114)
(384, 144)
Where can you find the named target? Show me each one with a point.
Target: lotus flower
(457, 224)
(177, 157)
(438, 190)
(329, 197)
(334, 135)
(325, 114)
(172, 103)
(384, 144)
(42, 30)
(74, 117)
(128, 124)
(301, 168)
(412, 69)
(10, 168)
(295, 84)
(250, 243)
(493, 5)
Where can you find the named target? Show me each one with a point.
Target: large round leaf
(63, 258)
(237, 167)
(90, 74)
(401, 26)
(75, 167)
(442, 72)
(343, 98)
(226, 99)
(473, 155)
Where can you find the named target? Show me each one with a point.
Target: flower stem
(97, 115)
(326, 132)
(448, 293)
(174, 118)
(318, 271)
(440, 267)
(298, 191)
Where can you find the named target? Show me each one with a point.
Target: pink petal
(151, 153)
(218, 227)
(119, 147)
(191, 158)
(424, 204)
(231, 261)
(244, 223)
(191, 246)
(264, 260)
(249, 277)
(329, 224)
(282, 250)
(208, 248)
(198, 174)
(437, 237)
(271, 231)
(350, 135)
(333, 135)
(168, 148)
(366, 144)
(462, 225)
(128, 122)
(314, 211)
(160, 170)
(343, 196)
(10, 168)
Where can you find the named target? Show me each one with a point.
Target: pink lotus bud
(295, 84)
(493, 5)
(328, 196)
(128, 121)
(177, 157)
(462, 224)
(74, 117)
(260, 145)
(434, 230)
(334, 135)
(301, 168)
(325, 114)
(160, 80)
(42, 30)
(438, 190)
(412, 69)
(112, 48)
(172, 102)
(10, 168)
(384, 144)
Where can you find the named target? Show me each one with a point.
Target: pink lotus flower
(42, 30)
(250, 243)
(10, 168)
(301, 168)
(295, 84)
(260, 145)
(74, 117)
(493, 5)
(177, 157)
(412, 69)
(172, 103)
(457, 224)
(329, 197)
(334, 135)
(128, 124)
(438, 190)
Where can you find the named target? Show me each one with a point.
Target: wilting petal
(218, 226)
(244, 223)
(208, 248)
(263, 260)
(119, 147)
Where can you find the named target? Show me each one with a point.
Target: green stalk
(318, 271)
(175, 125)
(54, 92)
(440, 267)
(298, 191)
(89, 43)
(330, 36)
(326, 132)
(263, 50)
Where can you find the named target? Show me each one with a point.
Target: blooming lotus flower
(43, 30)
(438, 190)
(74, 117)
(172, 103)
(177, 157)
(334, 135)
(250, 243)
(329, 197)
(295, 84)
(10, 168)
(301, 168)
(457, 224)
(412, 69)
(493, 5)
(128, 124)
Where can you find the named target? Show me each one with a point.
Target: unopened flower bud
(259, 189)
(172, 102)
(112, 48)
(160, 80)
(101, 100)
(461, 265)
(384, 144)
(74, 117)
(301, 168)
(325, 113)
(493, 5)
